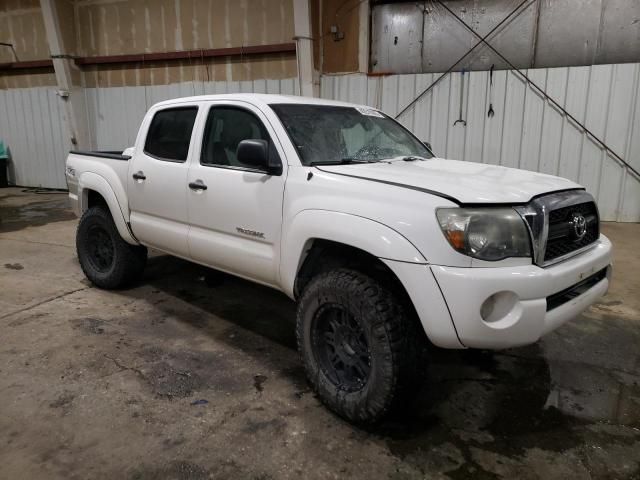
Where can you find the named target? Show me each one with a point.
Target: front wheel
(106, 259)
(357, 344)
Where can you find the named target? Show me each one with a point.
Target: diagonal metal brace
(450, 69)
(543, 93)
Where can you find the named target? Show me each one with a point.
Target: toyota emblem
(579, 224)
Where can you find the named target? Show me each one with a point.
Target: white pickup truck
(385, 248)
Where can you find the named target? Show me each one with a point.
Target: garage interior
(194, 373)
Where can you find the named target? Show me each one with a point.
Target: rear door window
(169, 134)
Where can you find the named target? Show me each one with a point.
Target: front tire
(357, 344)
(106, 259)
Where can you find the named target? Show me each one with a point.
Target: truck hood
(462, 182)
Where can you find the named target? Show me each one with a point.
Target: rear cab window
(169, 134)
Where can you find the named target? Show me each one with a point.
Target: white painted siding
(32, 122)
(32, 127)
(114, 114)
(526, 131)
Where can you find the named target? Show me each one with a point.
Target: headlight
(485, 233)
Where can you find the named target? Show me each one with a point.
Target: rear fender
(92, 181)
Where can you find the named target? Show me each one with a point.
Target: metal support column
(59, 25)
(304, 47)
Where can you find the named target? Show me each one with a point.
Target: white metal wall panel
(526, 130)
(32, 127)
(32, 121)
(115, 113)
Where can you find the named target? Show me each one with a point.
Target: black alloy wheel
(101, 250)
(341, 347)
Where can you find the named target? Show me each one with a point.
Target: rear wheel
(358, 345)
(106, 259)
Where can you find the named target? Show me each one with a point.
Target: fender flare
(360, 232)
(93, 181)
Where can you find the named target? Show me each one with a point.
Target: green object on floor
(4, 159)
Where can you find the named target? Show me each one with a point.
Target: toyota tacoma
(384, 247)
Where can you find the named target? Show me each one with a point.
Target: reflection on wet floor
(52, 207)
(503, 391)
(478, 407)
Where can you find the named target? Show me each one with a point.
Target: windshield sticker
(370, 112)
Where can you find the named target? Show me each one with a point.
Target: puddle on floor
(35, 214)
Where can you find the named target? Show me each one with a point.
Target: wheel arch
(316, 236)
(95, 190)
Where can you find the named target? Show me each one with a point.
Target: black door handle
(197, 185)
(139, 176)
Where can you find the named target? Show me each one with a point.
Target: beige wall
(341, 55)
(116, 27)
(21, 24)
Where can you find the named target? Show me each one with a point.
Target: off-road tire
(127, 261)
(393, 344)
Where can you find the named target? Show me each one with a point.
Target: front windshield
(325, 134)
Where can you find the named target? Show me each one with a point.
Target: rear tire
(106, 259)
(358, 344)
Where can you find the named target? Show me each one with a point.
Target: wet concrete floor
(194, 374)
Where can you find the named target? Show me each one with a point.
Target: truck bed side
(104, 173)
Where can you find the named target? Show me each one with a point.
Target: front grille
(563, 238)
(560, 298)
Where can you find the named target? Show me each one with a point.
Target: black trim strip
(111, 155)
(444, 195)
(521, 204)
(235, 168)
(401, 185)
(558, 299)
(162, 159)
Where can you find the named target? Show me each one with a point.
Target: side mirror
(255, 153)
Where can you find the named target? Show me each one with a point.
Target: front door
(236, 220)
(158, 181)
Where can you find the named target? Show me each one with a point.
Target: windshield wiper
(343, 161)
(412, 158)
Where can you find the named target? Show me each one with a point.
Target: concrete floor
(194, 375)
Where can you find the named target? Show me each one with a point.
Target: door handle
(139, 176)
(197, 185)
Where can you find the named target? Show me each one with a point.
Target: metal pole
(543, 93)
(450, 69)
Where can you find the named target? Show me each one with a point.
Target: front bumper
(521, 316)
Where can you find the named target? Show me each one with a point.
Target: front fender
(373, 237)
(93, 181)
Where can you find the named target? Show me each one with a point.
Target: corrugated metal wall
(114, 114)
(526, 130)
(32, 127)
(32, 121)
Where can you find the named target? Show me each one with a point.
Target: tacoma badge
(251, 233)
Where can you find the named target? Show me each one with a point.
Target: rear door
(158, 179)
(236, 220)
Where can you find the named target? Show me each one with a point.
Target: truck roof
(259, 98)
